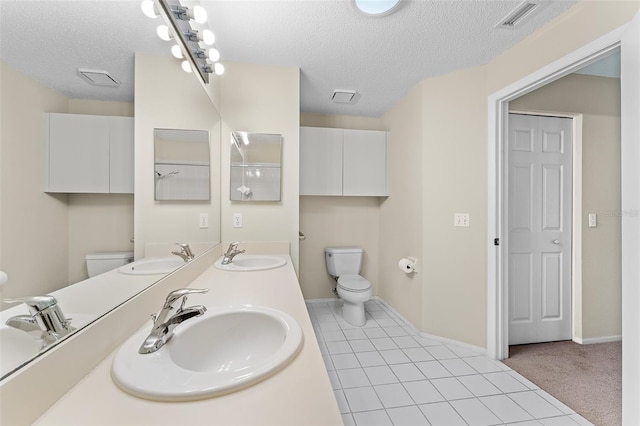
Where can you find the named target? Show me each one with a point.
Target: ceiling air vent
(517, 16)
(98, 77)
(343, 96)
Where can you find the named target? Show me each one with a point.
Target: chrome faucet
(232, 252)
(164, 323)
(45, 317)
(185, 252)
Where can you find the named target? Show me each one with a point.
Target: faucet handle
(34, 303)
(181, 293)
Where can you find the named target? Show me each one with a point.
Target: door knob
(556, 242)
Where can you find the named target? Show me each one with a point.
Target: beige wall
(262, 99)
(33, 223)
(598, 100)
(183, 104)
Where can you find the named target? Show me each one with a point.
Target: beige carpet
(587, 378)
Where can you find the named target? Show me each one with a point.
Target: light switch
(204, 220)
(461, 219)
(593, 220)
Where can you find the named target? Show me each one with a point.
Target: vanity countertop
(300, 394)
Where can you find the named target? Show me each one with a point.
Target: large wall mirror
(255, 166)
(181, 164)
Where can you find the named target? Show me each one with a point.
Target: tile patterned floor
(387, 373)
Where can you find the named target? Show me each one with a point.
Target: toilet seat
(354, 283)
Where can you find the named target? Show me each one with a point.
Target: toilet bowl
(98, 263)
(344, 264)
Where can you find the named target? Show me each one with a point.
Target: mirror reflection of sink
(225, 350)
(252, 262)
(152, 265)
(16, 347)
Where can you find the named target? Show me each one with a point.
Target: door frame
(576, 215)
(498, 109)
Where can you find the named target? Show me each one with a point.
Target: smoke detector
(98, 77)
(343, 96)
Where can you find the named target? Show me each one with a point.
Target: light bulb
(214, 55)
(149, 8)
(186, 66)
(176, 51)
(208, 38)
(218, 68)
(163, 32)
(199, 14)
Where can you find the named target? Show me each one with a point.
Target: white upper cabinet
(343, 162)
(88, 154)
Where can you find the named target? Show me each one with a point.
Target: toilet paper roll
(405, 265)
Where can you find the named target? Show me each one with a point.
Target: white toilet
(344, 263)
(98, 263)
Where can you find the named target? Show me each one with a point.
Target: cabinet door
(365, 163)
(320, 161)
(78, 153)
(121, 164)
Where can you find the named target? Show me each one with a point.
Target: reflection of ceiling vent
(343, 96)
(98, 77)
(517, 16)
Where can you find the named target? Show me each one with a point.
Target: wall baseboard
(592, 340)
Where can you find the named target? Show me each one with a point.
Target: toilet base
(353, 306)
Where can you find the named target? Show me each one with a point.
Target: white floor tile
(433, 369)
(344, 361)
(375, 332)
(441, 352)
(560, 421)
(427, 342)
(482, 364)
(396, 331)
(329, 326)
(418, 354)
(505, 382)
(457, 367)
(342, 401)
(393, 395)
(362, 399)
(352, 378)
(478, 385)
(323, 348)
(423, 392)
(333, 378)
(347, 420)
(523, 380)
(507, 410)
(361, 345)
(559, 405)
(384, 343)
(535, 405)
(442, 413)
(340, 347)
(406, 342)
(407, 416)
(451, 388)
(462, 352)
(407, 372)
(387, 322)
(475, 413)
(372, 418)
(353, 334)
(380, 314)
(328, 363)
(333, 336)
(394, 356)
(380, 375)
(580, 420)
(370, 359)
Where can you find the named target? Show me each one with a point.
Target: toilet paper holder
(408, 265)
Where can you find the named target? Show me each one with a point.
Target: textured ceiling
(334, 46)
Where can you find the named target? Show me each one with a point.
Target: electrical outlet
(204, 221)
(237, 220)
(461, 219)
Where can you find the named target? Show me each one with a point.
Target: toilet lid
(354, 283)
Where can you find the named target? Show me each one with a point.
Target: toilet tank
(98, 263)
(343, 260)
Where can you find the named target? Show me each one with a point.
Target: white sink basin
(252, 262)
(225, 350)
(157, 265)
(16, 348)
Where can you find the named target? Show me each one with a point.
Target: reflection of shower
(241, 147)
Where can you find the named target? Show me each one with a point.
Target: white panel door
(320, 161)
(365, 163)
(539, 197)
(121, 165)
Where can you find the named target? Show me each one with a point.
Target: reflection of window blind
(191, 182)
